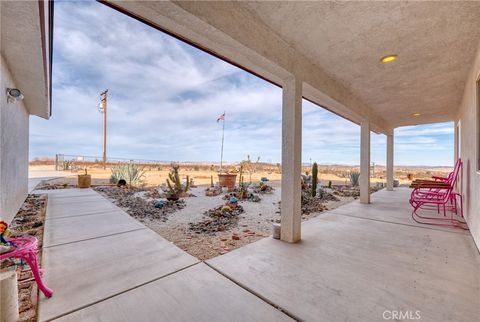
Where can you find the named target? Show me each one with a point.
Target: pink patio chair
(436, 194)
(26, 249)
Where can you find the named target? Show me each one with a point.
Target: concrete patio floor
(104, 265)
(353, 264)
(358, 261)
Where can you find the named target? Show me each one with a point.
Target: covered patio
(357, 262)
(380, 65)
(361, 263)
(365, 261)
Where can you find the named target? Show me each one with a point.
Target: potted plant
(227, 179)
(84, 180)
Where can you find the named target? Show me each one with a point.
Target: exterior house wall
(14, 130)
(470, 181)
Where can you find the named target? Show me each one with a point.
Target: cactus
(314, 179)
(240, 176)
(174, 183)
(211, 181)
(242, 191)
(330, 184)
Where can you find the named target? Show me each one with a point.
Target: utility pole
(102, 108)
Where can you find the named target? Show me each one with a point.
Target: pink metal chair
(26, 249)
(436, 194)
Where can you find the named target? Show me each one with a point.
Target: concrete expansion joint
(124, 291)
(82, 240)
(274, 305)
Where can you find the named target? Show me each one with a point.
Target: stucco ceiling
(435, 43)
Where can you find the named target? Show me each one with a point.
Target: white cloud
(164, 98)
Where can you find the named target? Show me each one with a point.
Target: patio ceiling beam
(231, 32)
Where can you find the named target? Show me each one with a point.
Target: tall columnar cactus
(211, 181)
(314, 179)
(240, 176)
(242, 190)
(177, 188)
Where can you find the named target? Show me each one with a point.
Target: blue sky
(165, 96)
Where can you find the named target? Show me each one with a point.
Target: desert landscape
(187, 205)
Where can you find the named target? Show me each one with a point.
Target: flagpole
(223, 136)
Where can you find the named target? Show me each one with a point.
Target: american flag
(221, 118)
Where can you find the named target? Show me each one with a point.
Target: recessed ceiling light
(416, 114)
(388, 59)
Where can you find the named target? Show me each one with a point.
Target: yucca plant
(68, 165)
(129, 172)
(354, 176)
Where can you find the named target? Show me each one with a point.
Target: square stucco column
(455, 141)
(365, 162)
(390, 161)
(291, 160)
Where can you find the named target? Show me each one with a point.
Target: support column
(365, 162)
(291, 211)
(455, 142)
(390, 161)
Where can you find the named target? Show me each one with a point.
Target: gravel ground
(254, 224)
(174, 223)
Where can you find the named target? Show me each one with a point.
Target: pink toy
(26, 249)
(436, 194)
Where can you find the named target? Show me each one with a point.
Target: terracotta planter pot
(227, 180)
(84, 180)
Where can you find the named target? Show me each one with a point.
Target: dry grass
(156, 175)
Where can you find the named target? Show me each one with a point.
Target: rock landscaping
(53, 186)
(221, 218)
(141, 203)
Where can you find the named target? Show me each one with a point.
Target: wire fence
(74, 162)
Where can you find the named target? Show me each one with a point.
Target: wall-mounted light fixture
(14, 95)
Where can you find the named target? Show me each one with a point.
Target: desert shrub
(354, 176)
(129, 172)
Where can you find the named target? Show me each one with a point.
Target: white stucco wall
(14, 131)
(468, 146)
